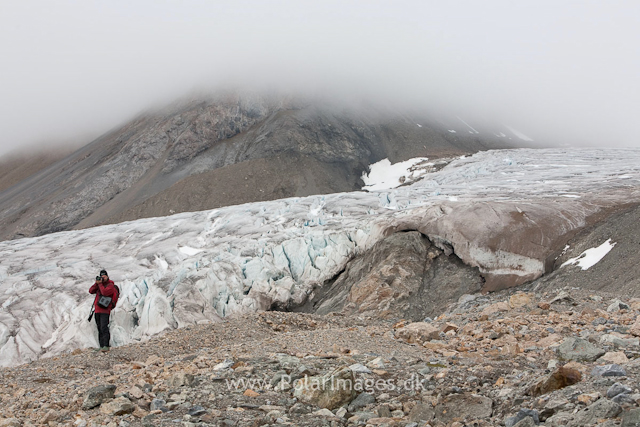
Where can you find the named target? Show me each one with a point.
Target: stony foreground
(566, 358)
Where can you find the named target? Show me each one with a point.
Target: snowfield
(501, 211)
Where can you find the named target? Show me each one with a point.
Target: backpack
(114, 301)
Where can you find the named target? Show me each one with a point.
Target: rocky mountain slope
(228, 149)
(15, 167)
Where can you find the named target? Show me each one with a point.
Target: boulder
(422, 412)
(197, 411)
(609, 339)
(376, 363)
(560, 378)
(625, 399)
(579, 350)
(150, 420)
(612, 370)
(359, 368)
(361, 401)
(602, 409)
(136, 392)
(522, 415)
(225, 364)
(561, 419)
(631, 418)
(158, 405)
(418, 332)
(51, 416)
(458, 407)
(95, 396)
(635, 328)
(526, 422)
(617, 305)
(181, 379)
(118, 406)
(496, 308)
(324, 413)
(554, 405)
(287, 361)
(329, 391)
(549, 340)
(615, 357)
(519, 300)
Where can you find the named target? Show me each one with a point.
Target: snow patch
(385, 176)
(519, 134)
(591, 257)
(189, 251)
(468, 125)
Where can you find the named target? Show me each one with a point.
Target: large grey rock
(359, 368)
(554, 405)
(361, 401)
(580, 350)
(287, 361)
(561, 419)
(328, 391)
(158, 404)
(631, 418)
(10, 422)
(617, 389)
(609, 339)
(611, 370)
(460, 407)
(95, 396)
(617, 305)
(181, 379)
(422, 412)
(150, 420)
(362, 416)
(521, 415)
(602, 409)
(197, 411)
(624, 399)
(526, 422)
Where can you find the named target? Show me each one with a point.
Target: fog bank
(564, 71)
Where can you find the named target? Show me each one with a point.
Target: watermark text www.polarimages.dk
(415, 383)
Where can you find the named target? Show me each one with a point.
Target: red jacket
(105, 289)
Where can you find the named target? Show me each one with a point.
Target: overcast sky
(74, 69)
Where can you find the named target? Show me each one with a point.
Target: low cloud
(565, 72)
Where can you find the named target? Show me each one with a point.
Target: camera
(98, 279)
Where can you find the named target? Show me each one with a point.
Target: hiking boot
(104, 349)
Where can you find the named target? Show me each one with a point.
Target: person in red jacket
(103, 287)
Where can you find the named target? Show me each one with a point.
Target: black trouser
(102, 320)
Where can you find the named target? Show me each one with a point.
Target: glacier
(506, 212)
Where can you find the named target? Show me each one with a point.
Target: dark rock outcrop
(404, 275)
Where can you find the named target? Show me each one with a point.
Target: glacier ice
(500, 216)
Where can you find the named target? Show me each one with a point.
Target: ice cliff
(506, 212)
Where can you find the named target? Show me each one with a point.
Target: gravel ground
(487, 359)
